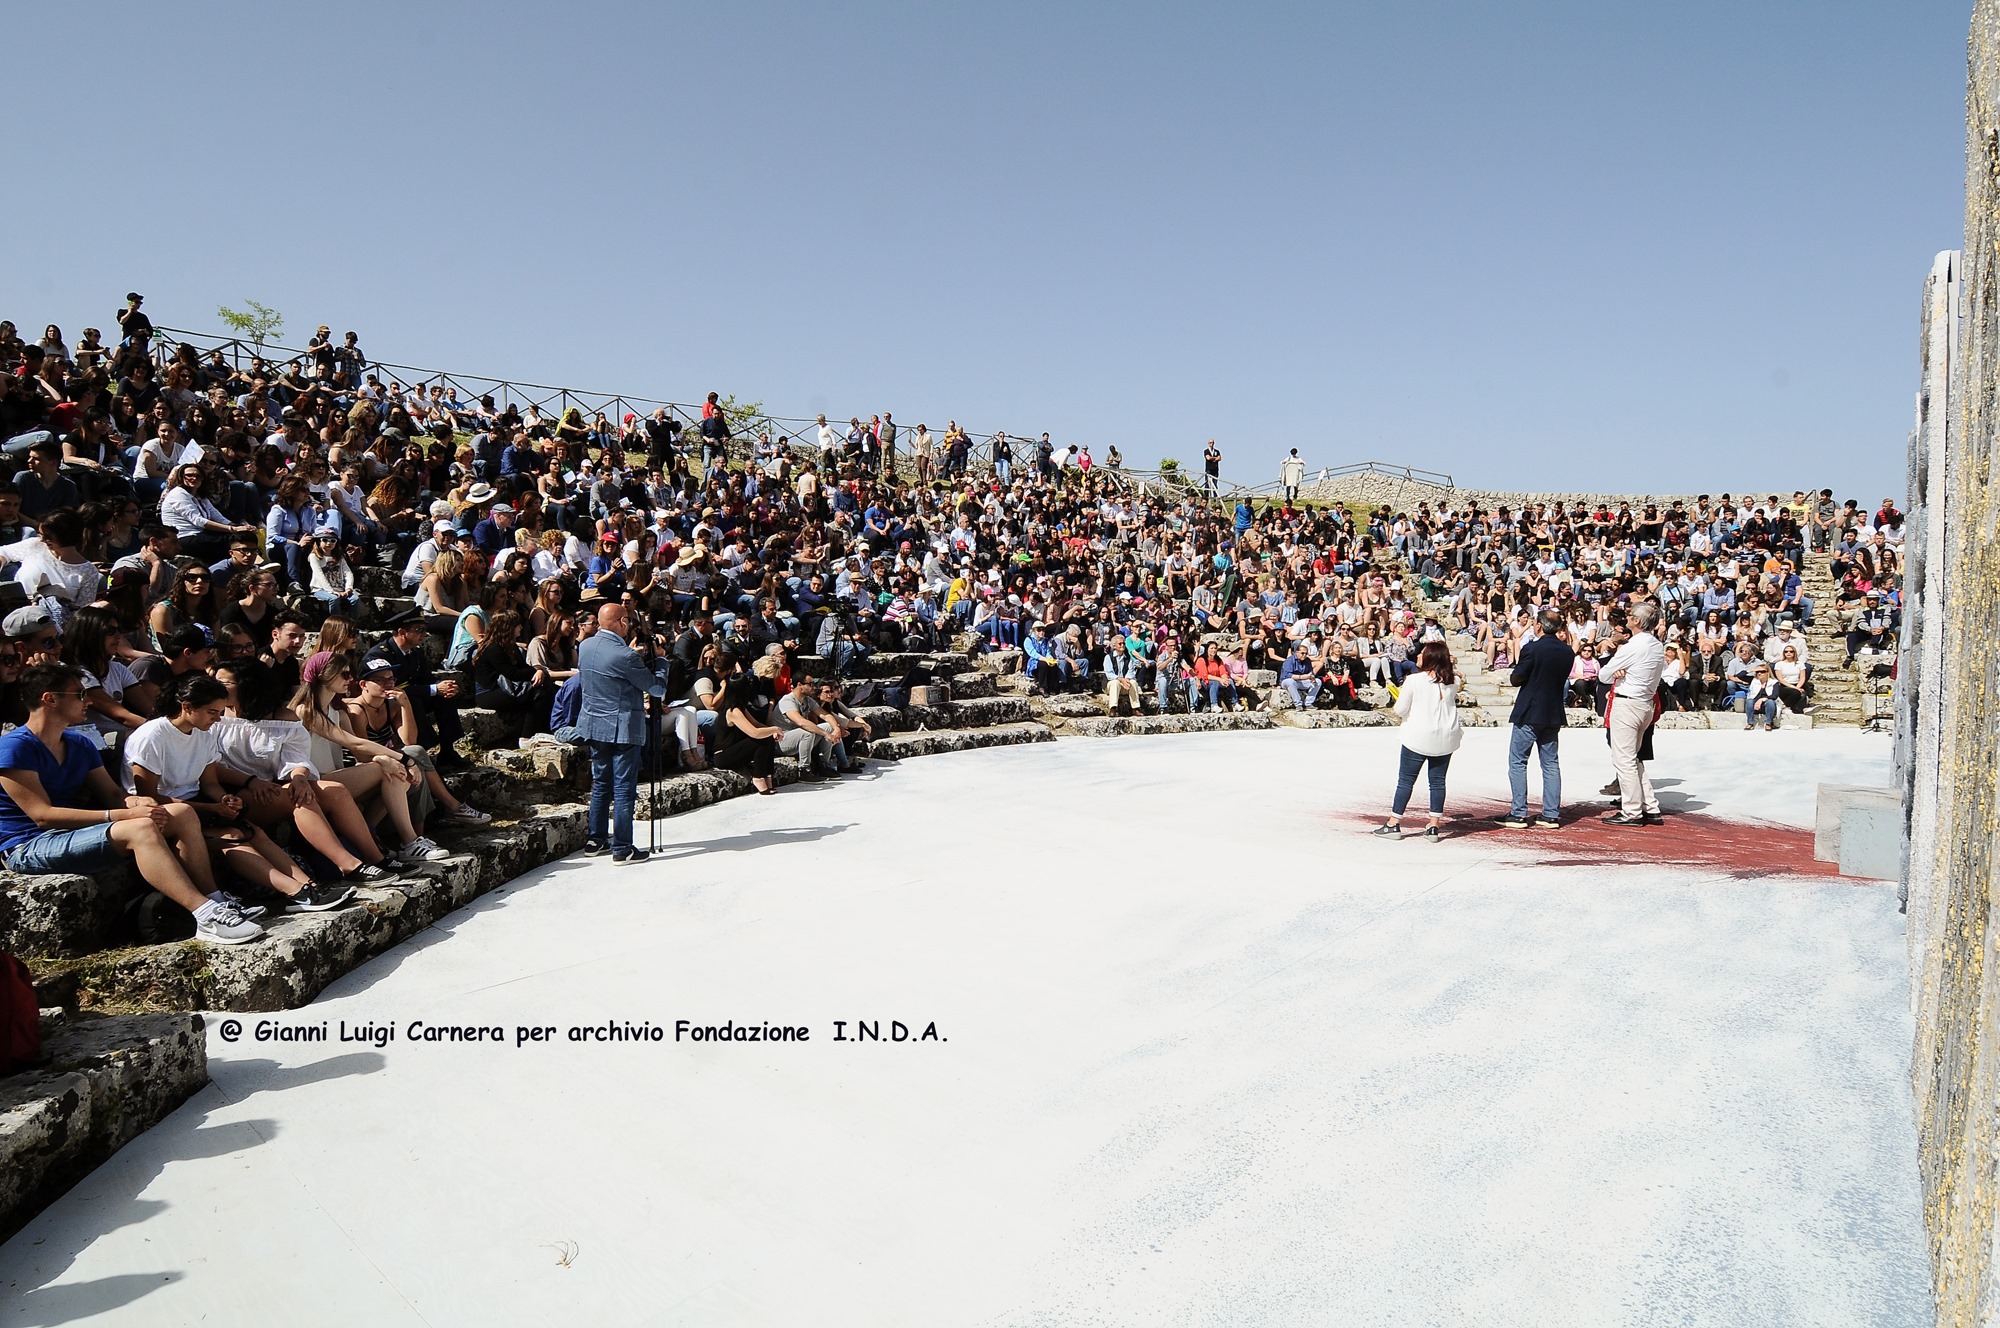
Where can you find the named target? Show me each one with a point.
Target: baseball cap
(24, 622)
(377, 664)
(443, 528)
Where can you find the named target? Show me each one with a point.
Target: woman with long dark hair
(743, 741)
(504, 680)
(1428, 706)
(192, 600)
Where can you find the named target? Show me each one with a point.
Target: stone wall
(1952, 846)
(1372, 490)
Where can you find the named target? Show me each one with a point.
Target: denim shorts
(84, 851)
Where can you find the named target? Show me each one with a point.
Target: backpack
(20, 1017)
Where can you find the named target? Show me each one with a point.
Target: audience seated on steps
(246, 504)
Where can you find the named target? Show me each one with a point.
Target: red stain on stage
(1744, 850)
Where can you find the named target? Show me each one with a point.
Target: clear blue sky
(1553, 246)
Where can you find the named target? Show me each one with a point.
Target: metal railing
(551, 402)
(544, 397)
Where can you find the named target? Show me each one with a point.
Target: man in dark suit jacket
(434, 703)
(1542, 674)
(616, 683)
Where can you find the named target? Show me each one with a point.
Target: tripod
(652, 758)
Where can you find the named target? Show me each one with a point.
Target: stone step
(301, 953)
(1337, 719)
(1208, 721)
(63, 914)
(933, 742)
(979, 713)
(973, 685)
(1073, 705)
(891, 664)
(1003, 661)
(102, 1082)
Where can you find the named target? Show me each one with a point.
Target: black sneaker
(1620, 818)
(369, 873)
(318, 898)
(1654, 818)
(1431, 833)
(1387, 831)
(1511, 822)
(594, 848)
(636, 855)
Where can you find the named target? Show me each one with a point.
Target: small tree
(741, 416)
(1170, 467)
(259, 322)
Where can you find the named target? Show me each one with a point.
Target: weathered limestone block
(1338, 719)
(1075, 705)
(972, 685)
(559, 761)
(977, 714)
(880, 718)
(488, 729)
(104, 1082)
(935, 742)
(64, 914)
(383, 582)
(1212, 721)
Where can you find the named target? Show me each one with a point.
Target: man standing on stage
(1542, 674)
(616, 684)
(1634, 675)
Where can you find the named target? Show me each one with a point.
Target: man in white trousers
(1634, 673)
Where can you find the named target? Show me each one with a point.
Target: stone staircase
(1840, 694)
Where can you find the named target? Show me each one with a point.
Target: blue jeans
(85, 851)
(1406, 780)
(1543, 740)
(614, 779)
(1767, 707)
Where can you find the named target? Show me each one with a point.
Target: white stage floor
(1208, 1054)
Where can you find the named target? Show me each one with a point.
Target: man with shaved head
(616, 683)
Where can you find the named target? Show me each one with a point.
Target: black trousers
(755, 757)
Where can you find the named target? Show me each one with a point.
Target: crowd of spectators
(1725, 572)
(179, 521)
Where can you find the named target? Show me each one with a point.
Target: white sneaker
(225, 926)
(470, 814)
(421, 849)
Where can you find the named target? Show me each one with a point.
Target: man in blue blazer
(616, 683)
(1542, 674)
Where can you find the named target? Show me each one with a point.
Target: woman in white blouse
(1428, 705)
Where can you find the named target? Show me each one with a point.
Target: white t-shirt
(114, 682)
(153, 461)
(177, 758)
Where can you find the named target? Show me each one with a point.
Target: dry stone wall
(1373, 490)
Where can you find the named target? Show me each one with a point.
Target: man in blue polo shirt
(61, 812)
